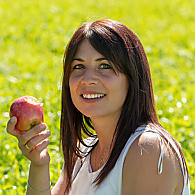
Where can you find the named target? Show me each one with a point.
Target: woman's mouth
(92, 97)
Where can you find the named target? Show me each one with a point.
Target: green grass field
(33, 36)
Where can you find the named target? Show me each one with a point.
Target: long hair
(122, 47)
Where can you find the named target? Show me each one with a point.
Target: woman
(111, 138)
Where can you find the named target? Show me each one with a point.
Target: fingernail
(44, 125)
(49, 132)
(13, 118)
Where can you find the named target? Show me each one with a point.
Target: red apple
(29, 112)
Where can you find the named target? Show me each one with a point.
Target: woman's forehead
(85, 49)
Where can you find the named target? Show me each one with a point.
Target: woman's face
(97, 89)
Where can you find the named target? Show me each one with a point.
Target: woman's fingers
(11, 126)
(42, 145)
(35, 142)
(27, 136)
(32, 144)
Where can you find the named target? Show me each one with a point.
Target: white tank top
(83, 176)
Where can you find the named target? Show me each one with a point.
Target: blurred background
(33, 37)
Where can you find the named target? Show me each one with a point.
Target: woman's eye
(78, 66)
(105, 66)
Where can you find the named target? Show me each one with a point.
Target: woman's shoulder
(150, 143)
(157, 142)
(157, 136)
(151, 163)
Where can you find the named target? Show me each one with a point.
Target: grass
(33, 37)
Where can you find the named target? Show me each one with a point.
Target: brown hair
(122, 47)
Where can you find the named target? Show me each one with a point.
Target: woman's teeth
(93, 96)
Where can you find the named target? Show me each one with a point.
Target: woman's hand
(32, 143)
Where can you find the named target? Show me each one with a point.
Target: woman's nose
(89, 77)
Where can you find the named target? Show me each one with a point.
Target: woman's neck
(105, 127)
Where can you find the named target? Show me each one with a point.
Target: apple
(29, 112)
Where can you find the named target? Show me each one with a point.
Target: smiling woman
(111, 138)
(107, 88)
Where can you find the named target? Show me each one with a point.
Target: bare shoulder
(140, 169)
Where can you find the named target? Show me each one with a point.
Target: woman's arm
(39, 180)
(39, 177)
(140, 171)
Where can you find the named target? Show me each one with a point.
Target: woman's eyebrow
(100, 59)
